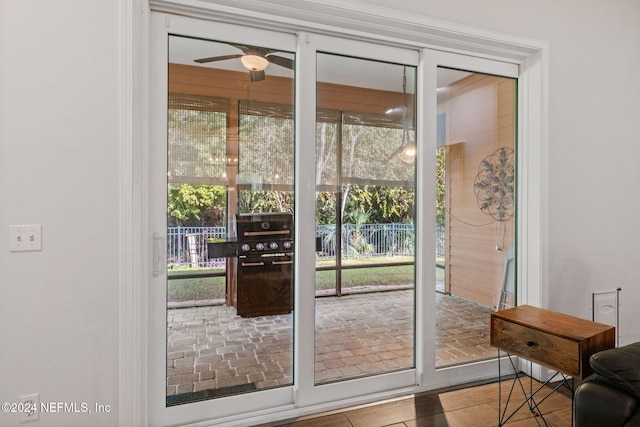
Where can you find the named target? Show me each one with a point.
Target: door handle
(252, 264)
(159, 251)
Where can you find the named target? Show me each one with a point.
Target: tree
(196, 205)
(265, 201)
(384, 204)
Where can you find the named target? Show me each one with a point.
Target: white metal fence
(186, 246)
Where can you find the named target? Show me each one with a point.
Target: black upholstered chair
(611, 396)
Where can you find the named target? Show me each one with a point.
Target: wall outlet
(29, 407)
(25, 238)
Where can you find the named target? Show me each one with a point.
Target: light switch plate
(25, 238)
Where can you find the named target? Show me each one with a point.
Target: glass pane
(365, 236)
(475, 255)
(230, 219)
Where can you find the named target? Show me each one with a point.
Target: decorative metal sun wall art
(494, 184)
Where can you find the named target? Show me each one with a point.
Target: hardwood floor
(467, 407)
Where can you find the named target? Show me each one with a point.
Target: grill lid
(258, 225)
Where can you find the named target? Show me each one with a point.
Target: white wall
(59, 168)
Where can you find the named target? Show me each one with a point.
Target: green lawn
(384, 276)
(205, 288)
(208, 288)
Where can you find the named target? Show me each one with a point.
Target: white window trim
(336, 17)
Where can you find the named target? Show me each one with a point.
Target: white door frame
(380, 24)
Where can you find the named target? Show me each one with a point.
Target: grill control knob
(245, 247)
(273, 245)
(259, 246)
(286, 245)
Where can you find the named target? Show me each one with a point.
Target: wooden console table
(558, 341)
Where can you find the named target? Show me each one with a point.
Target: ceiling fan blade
(281, 61)
(253, 50)
(217, 58)
(242, 47)
(256, 76)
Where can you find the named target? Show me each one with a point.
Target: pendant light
(407, 152)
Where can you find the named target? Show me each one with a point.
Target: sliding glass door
(294, 196)
(230, 193)
(365, 204)
(476, 210)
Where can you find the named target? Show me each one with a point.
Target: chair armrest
(597, 404)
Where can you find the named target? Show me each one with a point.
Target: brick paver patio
(212, 349)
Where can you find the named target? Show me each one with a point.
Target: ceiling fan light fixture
(254, 62)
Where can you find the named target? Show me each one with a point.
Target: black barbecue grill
(263, 246)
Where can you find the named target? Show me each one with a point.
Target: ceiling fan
(255, 59)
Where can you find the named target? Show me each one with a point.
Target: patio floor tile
(359, 334)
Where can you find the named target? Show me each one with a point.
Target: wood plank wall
(480, 115)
